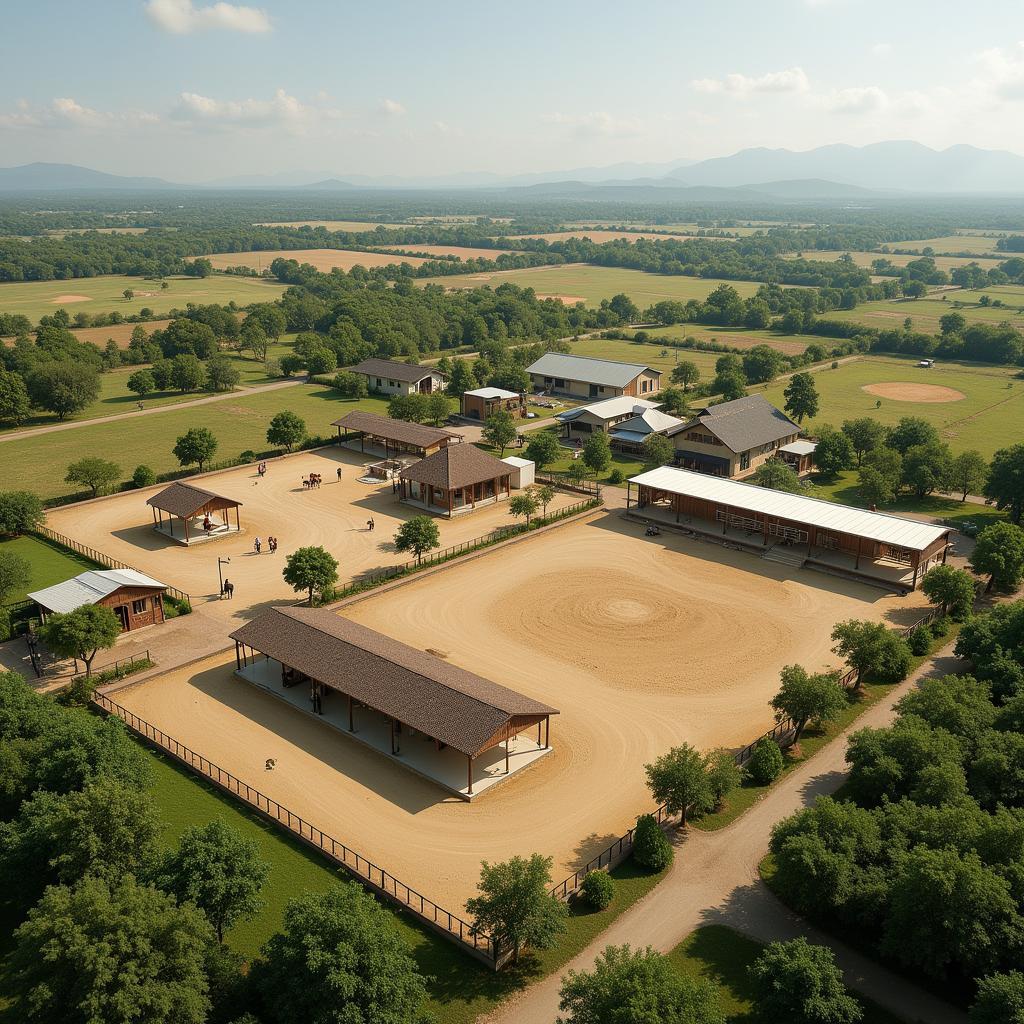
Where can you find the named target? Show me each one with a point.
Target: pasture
(322, 259)
(989, 416)
(645, 668)
(925, 313)
(864, 259)
(737, 337)
(983, 244)
(464, 252)
(329, 225)
(48, 564)
(121, 334)
(35, 299)
(599, 237)
(579, 282)
(239, 421)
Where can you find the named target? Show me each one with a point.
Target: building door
(121, 611)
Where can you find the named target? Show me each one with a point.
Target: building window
(380, 383)
(138, 607)
(392, 384)
(745, 460)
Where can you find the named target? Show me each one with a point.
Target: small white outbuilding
(522, 471)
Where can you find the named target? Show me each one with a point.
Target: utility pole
(220, 573)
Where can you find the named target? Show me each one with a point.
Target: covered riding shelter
(872, 546)
(456, 480)
(392, 437)
(201, 515)
(435, 718)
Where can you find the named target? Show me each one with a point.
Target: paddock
(333, 516)
(640, 643)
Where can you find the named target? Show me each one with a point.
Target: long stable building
(363, 679)
(873, 546)
(392, 437)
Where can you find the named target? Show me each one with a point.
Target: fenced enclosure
(365, 871)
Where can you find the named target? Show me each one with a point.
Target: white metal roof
(90, 587)
(859, 522)
(514, 460)
(493, 393)
(609, 372)
(649, 421)
(608, 408)
(799, 448)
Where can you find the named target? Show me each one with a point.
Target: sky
(192, 90)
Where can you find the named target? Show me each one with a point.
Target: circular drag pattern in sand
(905, 391)
(71, 298)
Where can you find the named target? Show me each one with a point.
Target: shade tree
(93, 472)
(418, 535)
(805, 697)
(81, 633)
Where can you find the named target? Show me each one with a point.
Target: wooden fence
(100, 558)
(116, 666)
(567, 483)
(371, 875)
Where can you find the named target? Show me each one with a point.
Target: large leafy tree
(952, 589)
(543, 448)
(597, 453)
(312, 569)
(198, 444)
(910, 432)
(681, 779)
(801, 395)
(106, 829)
(286, 430)
(1005, 484)
(14, 402)
(627, 986)
(999, 554)
(120, 953)
(778, 476)
(685, 373)
(339, 959)
(20, 511)
(807, 697)
(869, 647)
(81, 633)
(418, 535)
(801, 983)
(927, 468)
(968, 473)
(64, 387)
(95, 473)
(1000, 1000)
(15, 573)
(865, 435)
(219, 870)
(187, 372)
(833, 453)
(499, 430)
(658, 451)
(514, 904)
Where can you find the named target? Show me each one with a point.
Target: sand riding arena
(911, 391)
(639, 642)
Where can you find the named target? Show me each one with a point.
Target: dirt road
(714, 880)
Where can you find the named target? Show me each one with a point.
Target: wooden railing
(116, 666)
(425, 910)
(101, 558)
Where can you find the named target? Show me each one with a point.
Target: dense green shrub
(920, 641)
(615, 477)
(598, 889)
(651, 848)
(939, 627)
(143, 476)
(766, 762)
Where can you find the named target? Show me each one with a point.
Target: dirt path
(715, 881)
(19, 435)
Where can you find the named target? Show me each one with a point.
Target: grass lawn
(48, 564)
(104, 294)
(738, 337)
(462, 988)
(953, 243)
(239, 422)
(924, 313)
(581, 282)
(989, 417)
(720, 955)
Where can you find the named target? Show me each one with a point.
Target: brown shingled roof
(743, 423)
(393, 370)
(461, 465)
(184, 500)
(458, 708)
(394, 430)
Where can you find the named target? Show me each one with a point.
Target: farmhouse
(734, 438)
(484, 402)
(208, 513)
(390, 377)
(412, 706)
(456, 479)
(795, 529)
(630, 435)
(136, 599)
(392, 437)
(582, 377)
(582, 421)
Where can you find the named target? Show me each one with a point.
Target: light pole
(220, 574)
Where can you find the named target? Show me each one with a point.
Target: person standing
(257, 545)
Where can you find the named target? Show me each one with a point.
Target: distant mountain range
(834, 172)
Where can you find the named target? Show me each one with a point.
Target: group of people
(257, 545)
(313, 480)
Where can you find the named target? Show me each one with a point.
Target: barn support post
(547, 731)
(351, 724)
(508, 740)
(945, 550)
(238, 658)
(917, 566)
(469, 774)
(538, 734)
(856, 561)
(185, 521)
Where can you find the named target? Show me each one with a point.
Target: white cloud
(596, 123)
(67, 112)
(1002, 72)
(68, 109)
(281, 110)
(392, 108)
(881, 49)
(181, 17)
(855, 100)
(790, 80)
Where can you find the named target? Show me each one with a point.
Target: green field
(115, 398)
(48, 564)
(952, 243)
(580, 282)
(991, 416)
(649, 355)
(865, 259)
(720, 955)
(924, 313)
(737, 337)
(35, 299)
(240, 423)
